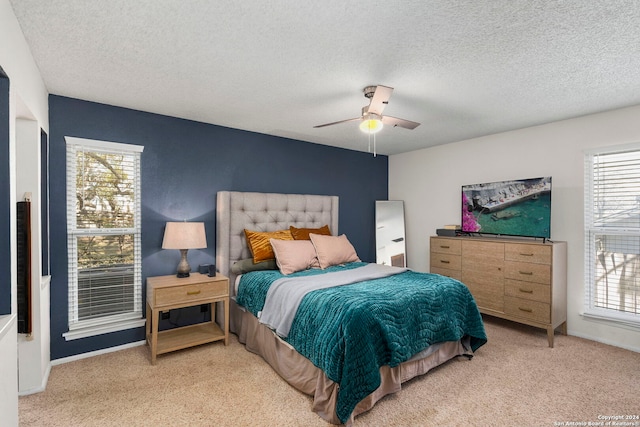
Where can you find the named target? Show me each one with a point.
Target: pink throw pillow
(333, 250)
(294, 255)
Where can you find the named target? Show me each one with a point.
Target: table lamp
(184, 236)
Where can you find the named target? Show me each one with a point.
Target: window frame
(591, 234)
(115, 322)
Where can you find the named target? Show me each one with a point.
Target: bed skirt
(298, 371)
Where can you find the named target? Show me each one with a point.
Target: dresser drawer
(538, 254)
(192, 292)
(446, 246)
(454, 274)
(532, 310)
(527, 290)
(528, 272)
(451, 262)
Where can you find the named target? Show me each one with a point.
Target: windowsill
(91, 331)
(620, 323)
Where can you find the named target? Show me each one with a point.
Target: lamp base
(183, 266)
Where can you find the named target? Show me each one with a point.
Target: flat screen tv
(520, 207)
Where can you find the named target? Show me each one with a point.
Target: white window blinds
(612, 234)
(103, 235)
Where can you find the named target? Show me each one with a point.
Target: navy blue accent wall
(184, 165)
(5, 199)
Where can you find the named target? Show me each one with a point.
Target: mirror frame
(391, 245)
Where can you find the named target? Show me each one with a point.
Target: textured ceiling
(462, 68)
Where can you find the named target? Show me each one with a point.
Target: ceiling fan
(372, 118)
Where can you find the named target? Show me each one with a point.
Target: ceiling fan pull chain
(374, 145)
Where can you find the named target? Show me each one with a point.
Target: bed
(333, 400)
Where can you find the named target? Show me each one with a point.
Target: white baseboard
(42, 386)
(96, 353)
(603, 341)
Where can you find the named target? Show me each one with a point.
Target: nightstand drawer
(188, 293)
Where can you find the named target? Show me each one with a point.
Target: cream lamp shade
(184, 236)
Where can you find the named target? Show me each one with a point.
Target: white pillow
(333, 250)
(294, 255)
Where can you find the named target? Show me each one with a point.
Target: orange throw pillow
(303, 233)
(259, 245)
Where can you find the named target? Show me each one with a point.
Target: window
(103, 237)
(612, 234)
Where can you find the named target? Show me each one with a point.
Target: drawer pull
(526, 291)
(445, 247)
(527, 310)
(526, 273)
(193, 292)
(445, 261)
(526, 254)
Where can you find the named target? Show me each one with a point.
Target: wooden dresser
(519, 280)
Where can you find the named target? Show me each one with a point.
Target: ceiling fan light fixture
(371, 123)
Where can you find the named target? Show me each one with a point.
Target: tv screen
(512, 208)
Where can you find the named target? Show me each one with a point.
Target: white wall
(28, 98)
(8, 377)
(34, 351)
(430, 180)
(16, 59)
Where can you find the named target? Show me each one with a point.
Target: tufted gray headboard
(265, 212)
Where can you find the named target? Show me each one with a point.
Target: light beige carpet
(515, 379)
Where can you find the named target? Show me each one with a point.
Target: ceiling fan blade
(341, 121)
(393, 121)
(380, 99)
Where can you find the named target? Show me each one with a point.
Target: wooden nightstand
(168, 292)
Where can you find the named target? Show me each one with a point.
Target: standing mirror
(390, 241)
